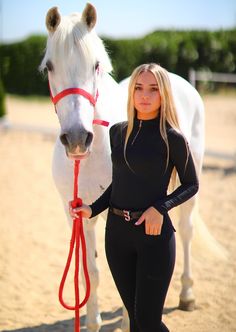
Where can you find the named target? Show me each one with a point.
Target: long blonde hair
(167, 110)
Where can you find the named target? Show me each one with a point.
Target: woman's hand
(85, 209)
(153, 221)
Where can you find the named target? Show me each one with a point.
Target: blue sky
(116, 19)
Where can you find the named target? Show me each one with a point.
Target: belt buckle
(127, 215)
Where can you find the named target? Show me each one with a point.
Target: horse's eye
(97, 65)
(49, 65)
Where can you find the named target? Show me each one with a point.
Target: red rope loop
(76, 238)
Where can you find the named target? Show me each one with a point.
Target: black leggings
(142, 266)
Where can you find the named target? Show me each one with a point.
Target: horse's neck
(111, 105)
(109, 108)
(96, 169)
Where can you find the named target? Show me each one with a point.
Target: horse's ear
(53, 19)
(89, 16)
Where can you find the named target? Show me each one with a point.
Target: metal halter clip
(127, 215)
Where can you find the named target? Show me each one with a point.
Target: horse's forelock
(73, 39)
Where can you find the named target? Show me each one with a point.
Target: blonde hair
(167, 110)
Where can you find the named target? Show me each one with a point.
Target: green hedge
(178, 51)
(2, 100)
(19, 66)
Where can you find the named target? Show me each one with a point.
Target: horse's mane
(72, 41)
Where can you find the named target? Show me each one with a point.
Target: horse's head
(75, 59)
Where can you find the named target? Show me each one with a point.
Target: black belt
(127, 215)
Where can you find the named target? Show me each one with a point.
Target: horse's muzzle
(77, 142)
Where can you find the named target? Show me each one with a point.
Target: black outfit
(142, 265)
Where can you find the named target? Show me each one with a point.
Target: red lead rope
(77, 236)
(77, 231)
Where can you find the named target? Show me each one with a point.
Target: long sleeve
(102, 202)
(181, 158)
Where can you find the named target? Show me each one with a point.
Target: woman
(147, 151)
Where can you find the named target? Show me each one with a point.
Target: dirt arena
(34, 234)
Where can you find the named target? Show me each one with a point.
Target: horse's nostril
(64, 139)
(89, 139)
(82, 139)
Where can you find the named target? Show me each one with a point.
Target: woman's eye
(137, 88)
(154, 89)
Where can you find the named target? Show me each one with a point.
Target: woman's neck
(147, 116)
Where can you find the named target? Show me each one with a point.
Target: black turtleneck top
(143, 182)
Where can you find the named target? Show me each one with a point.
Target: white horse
(75, 57)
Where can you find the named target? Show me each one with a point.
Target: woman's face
(147, 97)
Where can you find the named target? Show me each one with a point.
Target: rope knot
(77, 202)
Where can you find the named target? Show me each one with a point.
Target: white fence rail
(221, 155)
(206, 76)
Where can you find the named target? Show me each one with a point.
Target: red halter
(81, 92)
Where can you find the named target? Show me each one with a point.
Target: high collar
(147, 123)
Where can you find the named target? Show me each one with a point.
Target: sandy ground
(34, 234)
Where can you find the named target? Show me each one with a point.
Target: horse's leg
(196, 144)
(93, 318)
(125, 321)
(187, 299)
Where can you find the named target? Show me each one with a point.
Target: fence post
(192, 77)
